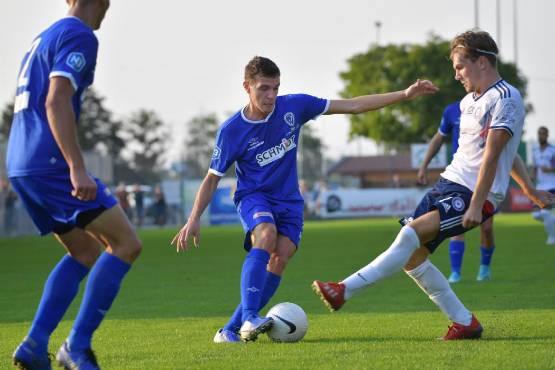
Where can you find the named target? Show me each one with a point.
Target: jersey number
(22, 99)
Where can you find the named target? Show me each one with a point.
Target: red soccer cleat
(332, 294)
(458, 331)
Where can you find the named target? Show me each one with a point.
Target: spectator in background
(544, 174)
(303, 188)
(160, 208)
(10, 197)
(138, 196)
(395, 181)
(121, 195)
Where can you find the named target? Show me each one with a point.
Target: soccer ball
(290, 322)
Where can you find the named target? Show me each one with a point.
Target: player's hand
(472, 217)
(422, 177)
(84, 187)
(420, 87)
(181, 239)
(542, 198)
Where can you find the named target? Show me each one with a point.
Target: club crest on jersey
(458, 204)
(216, 153)
(276, 152)
(76, 61)
(289, 118)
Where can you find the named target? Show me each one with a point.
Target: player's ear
(247, 86)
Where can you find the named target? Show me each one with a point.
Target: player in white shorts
(544, 173)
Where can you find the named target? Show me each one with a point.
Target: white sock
(537, 215)
(387, 263)
(548, 222)
(436, 286)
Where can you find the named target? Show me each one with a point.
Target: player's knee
(265, 237)
(537, 215)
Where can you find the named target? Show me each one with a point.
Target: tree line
(138, 144)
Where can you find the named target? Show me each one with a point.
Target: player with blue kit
(46, 168)
(450, 126)
(262, 140)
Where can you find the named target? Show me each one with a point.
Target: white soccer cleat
(226, 336)
(254, 326)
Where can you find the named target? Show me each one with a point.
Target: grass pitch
(171, 305)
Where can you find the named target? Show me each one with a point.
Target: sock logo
(102, 312)
(253, 289)
(292, 327)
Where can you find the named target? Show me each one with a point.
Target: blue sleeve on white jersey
(311, 106)
(225, 152)
(75, 58)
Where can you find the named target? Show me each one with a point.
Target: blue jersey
(265, 152)
(450, 124)
(68, 48)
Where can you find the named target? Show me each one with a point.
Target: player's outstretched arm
(192, 227)
(522, 178)
(61, 119)
(368, 103)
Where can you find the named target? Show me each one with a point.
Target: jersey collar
(257, 122)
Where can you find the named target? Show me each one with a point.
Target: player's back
(67, 48)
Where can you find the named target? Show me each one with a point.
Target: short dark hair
(474, 44)
(260, 66)
(544, 129)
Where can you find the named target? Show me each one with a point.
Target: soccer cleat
(484, 273)
(27, 357)
(332, 294)
(550, 240)
(455, 277)
(76, 360)
(226, 336)
(254, 326)
(458, 331)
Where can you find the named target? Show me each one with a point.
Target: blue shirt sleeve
(75, 58)
(446, 124)
(224, 154)
(311, 106)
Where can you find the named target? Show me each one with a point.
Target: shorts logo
(458, 203)
(216, 153)
(262, 214)
(289, 119)
(446, 206)
(76, 61)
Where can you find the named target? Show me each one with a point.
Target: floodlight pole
(476, 13)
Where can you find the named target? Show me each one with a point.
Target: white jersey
(498, 108)
(544, 158)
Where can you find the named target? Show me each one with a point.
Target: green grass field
(171, 304)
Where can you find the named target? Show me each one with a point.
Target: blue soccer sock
(60, 289)
(456, 252)
(101, 290)
(253, 279)
(270, 288)
(486, 254)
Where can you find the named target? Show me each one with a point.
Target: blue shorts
(52, 208)
(452, 201)
(287, 216)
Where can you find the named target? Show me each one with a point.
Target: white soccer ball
(290, 322)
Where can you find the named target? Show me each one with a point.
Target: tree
(310, 160)
(6, 123)
(146, 141)
(394, 67)
(199, 144)
(97, 129)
